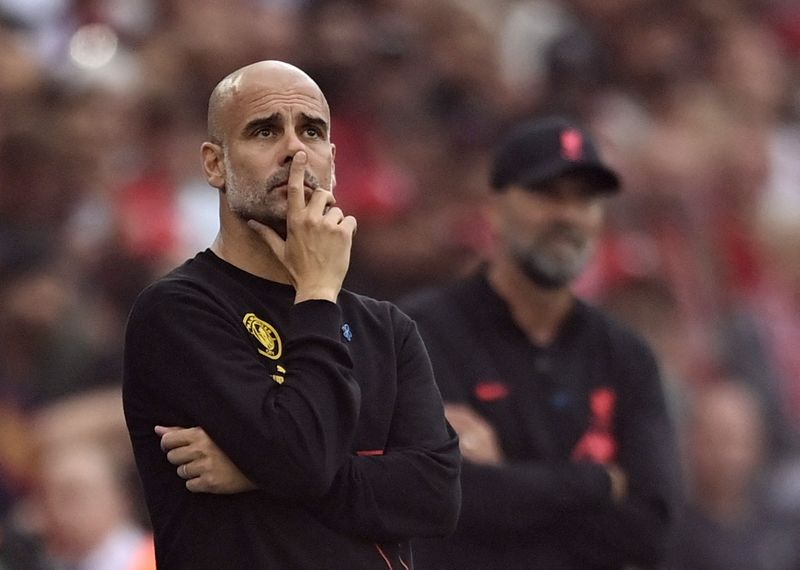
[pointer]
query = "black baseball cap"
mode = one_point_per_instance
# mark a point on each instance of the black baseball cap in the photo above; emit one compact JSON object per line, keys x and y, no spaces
{"x":540,"y":150}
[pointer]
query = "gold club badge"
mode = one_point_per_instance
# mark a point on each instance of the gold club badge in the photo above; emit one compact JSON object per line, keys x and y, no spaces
{"x":266,"y":334}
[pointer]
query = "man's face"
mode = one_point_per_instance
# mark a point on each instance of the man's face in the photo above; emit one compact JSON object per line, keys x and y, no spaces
{"x":550,"y":233}
{"x":268,"y":120}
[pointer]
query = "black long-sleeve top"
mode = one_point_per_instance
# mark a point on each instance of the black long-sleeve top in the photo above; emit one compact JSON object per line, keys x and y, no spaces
{"x":330,"y":409}
{"x":549,"y":505}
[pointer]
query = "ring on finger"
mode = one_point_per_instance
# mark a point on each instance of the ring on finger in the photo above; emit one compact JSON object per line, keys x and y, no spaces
{"x":182,"y":471}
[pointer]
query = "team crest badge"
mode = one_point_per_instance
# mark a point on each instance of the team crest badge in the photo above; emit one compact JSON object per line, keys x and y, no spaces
{"x":266,"y":335}
{"x":572,"y":145}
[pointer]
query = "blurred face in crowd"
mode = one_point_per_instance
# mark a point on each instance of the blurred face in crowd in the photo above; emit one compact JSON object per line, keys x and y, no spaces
{"x":550,"y":232}
{"x":259,"y":118}
{"x":82,"y":501}
{"x":725,"y":443}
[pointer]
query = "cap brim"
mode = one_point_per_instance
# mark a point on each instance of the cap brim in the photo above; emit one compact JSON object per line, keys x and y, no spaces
{"x":601,"y":177}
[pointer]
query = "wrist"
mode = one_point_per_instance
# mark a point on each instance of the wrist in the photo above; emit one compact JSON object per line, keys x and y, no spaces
{"x":316,"y":294}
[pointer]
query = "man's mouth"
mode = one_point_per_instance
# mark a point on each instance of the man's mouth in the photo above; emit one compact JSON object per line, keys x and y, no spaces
{"x":285,"y":184}
{"x":568,"y":239}
{"x":283,"y":190}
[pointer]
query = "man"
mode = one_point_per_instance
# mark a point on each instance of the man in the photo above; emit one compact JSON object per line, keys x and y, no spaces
{"x":559,"y":410}
{"x":316,"y":435}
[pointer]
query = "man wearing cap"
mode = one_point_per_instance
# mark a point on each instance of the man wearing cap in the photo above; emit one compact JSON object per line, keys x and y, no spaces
{"x":570,"y":459}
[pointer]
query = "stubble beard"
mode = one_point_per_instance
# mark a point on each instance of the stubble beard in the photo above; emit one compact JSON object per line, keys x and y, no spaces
{"x":258,"y":201}
{"x":251,"y":200}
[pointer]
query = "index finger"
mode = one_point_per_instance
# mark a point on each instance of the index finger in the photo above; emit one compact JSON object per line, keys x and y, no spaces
{"x":461,"y":416}
{"x":296,"y":193}
{"x":179,"y":438}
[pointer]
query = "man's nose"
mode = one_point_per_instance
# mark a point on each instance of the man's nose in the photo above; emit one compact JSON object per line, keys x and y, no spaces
{"x":573,"y":207}
{"x":293,"y":144}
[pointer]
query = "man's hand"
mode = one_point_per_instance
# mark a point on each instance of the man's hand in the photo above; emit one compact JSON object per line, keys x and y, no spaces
{"x":204,"y":465}
{"x":619,"y":482}
{"x":476,"y":437}
{"x":316,"y":252}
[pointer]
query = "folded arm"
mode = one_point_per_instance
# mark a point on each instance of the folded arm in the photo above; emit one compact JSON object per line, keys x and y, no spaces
{"x":290,"y":438}
{"x":410,"y":489}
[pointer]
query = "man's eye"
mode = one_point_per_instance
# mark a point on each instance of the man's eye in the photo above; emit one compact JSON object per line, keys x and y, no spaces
{"x":313,"y":132}
{"x":265,"y":132}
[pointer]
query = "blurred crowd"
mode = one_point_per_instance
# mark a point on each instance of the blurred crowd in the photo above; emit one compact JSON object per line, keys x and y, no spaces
{"x":696,"y":103}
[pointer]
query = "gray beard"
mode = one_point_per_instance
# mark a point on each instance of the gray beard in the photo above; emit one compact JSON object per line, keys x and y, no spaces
{"x":269,"y":219}
{"x":276,"y":223}
{"x":547,"y":268}
{"x":545,"y":275}
{"x":548,"y":272}
{"x":249,"y":202}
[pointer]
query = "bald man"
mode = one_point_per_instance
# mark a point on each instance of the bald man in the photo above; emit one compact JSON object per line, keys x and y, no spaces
{"x":279,"y":421}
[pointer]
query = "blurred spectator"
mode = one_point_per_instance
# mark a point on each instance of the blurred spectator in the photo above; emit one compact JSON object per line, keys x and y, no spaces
{"x":648,"y":306}
{"x":772,"y":305}
{"x":81,"y":506}
{"x":16,"y":461}
{"x":93,"y":417}
{"x":85,"y":519}
{"x":728,"y":523}
{"x":38,"y":190}
{"x":47,"y":344}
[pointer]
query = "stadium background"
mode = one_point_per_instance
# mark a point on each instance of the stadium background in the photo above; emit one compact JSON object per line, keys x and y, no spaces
{"x":102,"y":112}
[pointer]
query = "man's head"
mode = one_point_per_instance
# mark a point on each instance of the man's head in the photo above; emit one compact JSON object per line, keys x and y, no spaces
{"x":725,"y":441}
{"x":82,"y":499}
{"x":549,"y":207}
{"x":259,"y":117}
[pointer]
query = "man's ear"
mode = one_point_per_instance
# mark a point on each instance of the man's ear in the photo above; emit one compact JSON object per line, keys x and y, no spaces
{"x":333,"y":167}
{"x":213,"y":164}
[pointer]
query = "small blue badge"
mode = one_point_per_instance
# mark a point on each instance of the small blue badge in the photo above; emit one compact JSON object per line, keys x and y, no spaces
{"x":560,"y":400}
{"x":347,"y":333}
